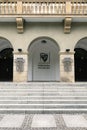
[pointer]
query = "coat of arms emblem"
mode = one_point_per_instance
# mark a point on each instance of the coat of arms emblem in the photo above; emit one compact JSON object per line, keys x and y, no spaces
{"x":44,"y":57}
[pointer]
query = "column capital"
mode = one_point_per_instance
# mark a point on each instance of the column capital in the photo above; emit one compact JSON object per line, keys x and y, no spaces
{"x":20,"y":53}
{"x":67,"y":53}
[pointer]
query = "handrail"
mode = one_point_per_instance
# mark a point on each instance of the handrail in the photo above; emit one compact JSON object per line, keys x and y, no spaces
{"x":75,"y":1}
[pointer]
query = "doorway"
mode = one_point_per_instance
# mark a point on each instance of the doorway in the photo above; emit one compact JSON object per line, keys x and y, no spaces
{"x":81,"y":60}
{"x":6,"y":60}
{"x":43,"y":60}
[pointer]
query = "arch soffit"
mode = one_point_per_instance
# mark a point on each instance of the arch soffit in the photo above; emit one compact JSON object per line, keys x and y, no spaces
{"x":5,"y":43}
{"x":82,"y":43}
{"x":39,"y":39}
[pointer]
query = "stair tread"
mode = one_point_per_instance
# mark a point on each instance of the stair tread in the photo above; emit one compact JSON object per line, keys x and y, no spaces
{"x":42,"y":97}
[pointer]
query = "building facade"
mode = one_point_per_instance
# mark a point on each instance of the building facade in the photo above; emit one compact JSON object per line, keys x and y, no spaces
{"x":43,"y":40}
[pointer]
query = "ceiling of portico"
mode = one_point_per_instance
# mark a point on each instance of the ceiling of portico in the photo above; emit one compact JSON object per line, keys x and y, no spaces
{"x":82,"y":44}
{"x":4,"y":43}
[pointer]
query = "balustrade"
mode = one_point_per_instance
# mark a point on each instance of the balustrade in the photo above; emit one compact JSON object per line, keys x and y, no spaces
{"x":30,"y":7}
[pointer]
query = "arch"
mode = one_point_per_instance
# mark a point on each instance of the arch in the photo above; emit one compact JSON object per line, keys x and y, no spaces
{"x":43,"y":60}
{"x":81,"y":60}
{"x":82,"y":43}
{"x":5,"y":43}
{"x":42,"y":38}
{"x":6,"y":60}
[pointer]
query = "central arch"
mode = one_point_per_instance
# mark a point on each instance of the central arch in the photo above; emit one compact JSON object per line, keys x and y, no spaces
{"x":43,"y":60}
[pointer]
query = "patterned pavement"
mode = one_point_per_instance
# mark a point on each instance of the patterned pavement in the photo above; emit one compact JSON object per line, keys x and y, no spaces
{"x":27,"y":122}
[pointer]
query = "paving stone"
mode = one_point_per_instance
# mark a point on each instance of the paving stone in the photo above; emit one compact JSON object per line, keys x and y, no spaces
{"x":75,"y":121}
{"x":12,"y":121}
{"x":40,"y":120}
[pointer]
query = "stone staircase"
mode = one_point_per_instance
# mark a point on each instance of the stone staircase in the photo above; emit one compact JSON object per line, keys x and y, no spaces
{"x":43,"y":97}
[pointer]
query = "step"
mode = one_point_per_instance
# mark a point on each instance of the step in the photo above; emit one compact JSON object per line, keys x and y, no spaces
{"x":44,"y":93}
{"x":42,"y":84}
{"x":43,"y":104}
{"x":43,"y":97}
{"x":43,"y":101}
{"x":42,"y":111}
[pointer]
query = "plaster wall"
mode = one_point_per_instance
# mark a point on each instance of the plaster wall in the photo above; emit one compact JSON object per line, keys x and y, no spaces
{"x":35,"y":30}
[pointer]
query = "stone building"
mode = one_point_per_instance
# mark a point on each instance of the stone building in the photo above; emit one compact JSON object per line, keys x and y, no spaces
{"x":43,"y":40}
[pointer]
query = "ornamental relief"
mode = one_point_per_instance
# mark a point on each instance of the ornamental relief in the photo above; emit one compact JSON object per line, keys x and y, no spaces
{"x":19,"y":64}
{"x":67,"y":64}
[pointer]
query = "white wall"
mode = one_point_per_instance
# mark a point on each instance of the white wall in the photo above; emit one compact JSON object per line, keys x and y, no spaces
{"x":35,"y":30}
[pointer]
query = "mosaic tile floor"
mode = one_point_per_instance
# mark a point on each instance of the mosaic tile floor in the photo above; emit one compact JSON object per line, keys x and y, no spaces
{"x":43,"y":121}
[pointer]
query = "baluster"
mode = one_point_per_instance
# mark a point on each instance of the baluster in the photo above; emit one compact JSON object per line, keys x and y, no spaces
{"x":2,"y":8}
{"x":28,"y":7}
{"x":48,"y":7}
{"x":77,"y":7}
{"x":55,"y":11}
{"x":24,"y":8}
{"x":36,"y":7}
{"x":31,"y":7}
{"x":15,"y":7}
{"x":58,"y":6}
{"x":73,"y":7}
{"x":85,"y":7}
{"x":5,"y":8}
{"x":10,"y":7}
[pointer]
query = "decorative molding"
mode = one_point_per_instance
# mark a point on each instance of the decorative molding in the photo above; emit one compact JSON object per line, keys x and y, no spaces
{"x":19,"y":64}
{"x":19,"y":22}
{"x":67,"y":62}
{"x":66,"y":53}
{"x":67,"y":25}
{"x":22,"y":53}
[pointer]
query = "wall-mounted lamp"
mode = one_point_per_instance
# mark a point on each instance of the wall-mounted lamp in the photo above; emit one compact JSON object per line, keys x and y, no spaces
{"x":44,"y":41}
{"x":20,"y":50}
{"x":67,"y":50}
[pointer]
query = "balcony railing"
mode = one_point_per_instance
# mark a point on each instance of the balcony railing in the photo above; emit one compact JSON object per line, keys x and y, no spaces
{"x":39,"y":7}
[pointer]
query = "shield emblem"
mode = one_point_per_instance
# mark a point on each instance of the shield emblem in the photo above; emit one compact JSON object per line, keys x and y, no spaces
{"x":44,"y":56}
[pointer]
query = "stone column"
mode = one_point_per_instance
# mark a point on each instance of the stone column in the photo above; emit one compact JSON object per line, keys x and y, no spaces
{"x":67,"y":66}
{"x":20,"y":67}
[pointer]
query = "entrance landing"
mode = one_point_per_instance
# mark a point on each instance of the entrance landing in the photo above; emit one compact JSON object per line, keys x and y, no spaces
{"x":43,"y":121}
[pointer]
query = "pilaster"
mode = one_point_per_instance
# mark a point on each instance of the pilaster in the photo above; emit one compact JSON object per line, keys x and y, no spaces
{"x":20,"y":67}
{"x":67,"y":67}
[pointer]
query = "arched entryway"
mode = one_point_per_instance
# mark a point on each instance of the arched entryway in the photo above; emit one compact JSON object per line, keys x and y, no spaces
{"x":6,"y":60}
{"x":81,"y":60}
{"x":43,"y":60}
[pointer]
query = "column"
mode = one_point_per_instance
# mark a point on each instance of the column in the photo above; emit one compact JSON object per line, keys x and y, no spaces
{"x":67,"y":66}
{"x":20,"y":67}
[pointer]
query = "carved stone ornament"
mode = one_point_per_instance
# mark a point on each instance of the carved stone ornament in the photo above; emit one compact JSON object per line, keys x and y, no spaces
{"x":20,"y":22}
{"x":67,"y":25}
{"x":19,"y":64}
{"x":67,"y":64}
